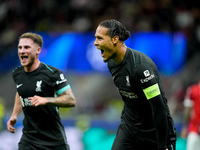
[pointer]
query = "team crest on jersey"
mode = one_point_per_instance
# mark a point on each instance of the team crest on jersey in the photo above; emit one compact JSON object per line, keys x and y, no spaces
{"x":38,"y":86}
{"x":128,"y":81}
{"x":146,"y":73}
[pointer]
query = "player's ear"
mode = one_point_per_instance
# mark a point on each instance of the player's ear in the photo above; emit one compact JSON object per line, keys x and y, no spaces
{"x":39,"y":50}
{"x":115,"y":39}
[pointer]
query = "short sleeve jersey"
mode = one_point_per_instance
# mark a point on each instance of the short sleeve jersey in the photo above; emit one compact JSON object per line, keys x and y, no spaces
{"x":192,"y":99}
{"x":145,"y":106}
{"x":42,"y":124}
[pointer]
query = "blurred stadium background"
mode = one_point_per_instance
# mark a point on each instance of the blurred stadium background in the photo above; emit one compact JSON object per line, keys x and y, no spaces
{"x":166,"y":30}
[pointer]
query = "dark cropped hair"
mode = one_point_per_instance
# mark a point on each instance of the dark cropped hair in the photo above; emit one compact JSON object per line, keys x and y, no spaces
{"x":116,"y":28}
{"x":35,"y":37}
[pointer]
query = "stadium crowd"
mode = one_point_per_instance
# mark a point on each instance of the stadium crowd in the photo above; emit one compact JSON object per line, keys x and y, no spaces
{"x":17,"y":16}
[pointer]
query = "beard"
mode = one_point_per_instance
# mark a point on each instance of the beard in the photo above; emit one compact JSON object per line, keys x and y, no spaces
{"x":29,"y":62}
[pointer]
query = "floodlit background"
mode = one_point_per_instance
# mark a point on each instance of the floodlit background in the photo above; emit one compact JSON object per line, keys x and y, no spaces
{"x":168,"y":31}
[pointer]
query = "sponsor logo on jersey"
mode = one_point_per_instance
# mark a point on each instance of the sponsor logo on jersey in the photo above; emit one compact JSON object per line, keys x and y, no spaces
{"x":148,"y":78}
{"x":146,"y":73}
{"x":25,"y":102}
{"x":62,"y":79}
{"x":18,"y":85}
{"x":38,"y":86}
{"x":130,"y":95}
{"x":127,"y":81}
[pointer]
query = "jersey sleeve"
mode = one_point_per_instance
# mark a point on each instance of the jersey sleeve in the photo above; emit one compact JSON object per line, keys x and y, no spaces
{"x":16,"y":72}
{"x":148,"y":80}
{"x":60,"y":82}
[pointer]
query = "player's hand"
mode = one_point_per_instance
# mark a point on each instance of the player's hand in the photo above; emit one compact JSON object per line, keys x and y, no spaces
{"x":172,"y":146}
{"x":171,"y":143}
{"x":37,"y":100}
{"x":11,"y":123}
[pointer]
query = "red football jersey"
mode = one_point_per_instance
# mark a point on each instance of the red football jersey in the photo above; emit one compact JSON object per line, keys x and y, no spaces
{"x":192,"y":99}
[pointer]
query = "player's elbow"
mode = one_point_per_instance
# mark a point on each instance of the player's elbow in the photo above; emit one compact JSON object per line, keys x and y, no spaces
{"x":72,"y":101}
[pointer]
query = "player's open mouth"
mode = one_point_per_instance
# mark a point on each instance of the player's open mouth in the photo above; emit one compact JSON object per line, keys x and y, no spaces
{"x":24,"y":57}
{"x":102,"y":52}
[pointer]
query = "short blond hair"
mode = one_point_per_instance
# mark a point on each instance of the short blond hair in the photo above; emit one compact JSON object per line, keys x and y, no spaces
{"x":35,"y":37}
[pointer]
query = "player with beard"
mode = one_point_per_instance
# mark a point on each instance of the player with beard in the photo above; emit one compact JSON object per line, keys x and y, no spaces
{"x":41,"y":90}
{"x":146,"y":122}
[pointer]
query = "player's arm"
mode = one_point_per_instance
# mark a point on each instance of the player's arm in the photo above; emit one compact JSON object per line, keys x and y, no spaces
{"x":184,"y":130}
{"x":172,"y":135}
{"x":188,"y":103}
{"x":16,"y":111}
{"x":64,"y":99}
{"x":65,"y":96}
{"x":159,"y":116}
{"x":148,"y":81}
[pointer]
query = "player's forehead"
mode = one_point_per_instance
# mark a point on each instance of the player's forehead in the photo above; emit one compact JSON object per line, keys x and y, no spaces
{"x":101,"y":31}
{"x":25,"y":41}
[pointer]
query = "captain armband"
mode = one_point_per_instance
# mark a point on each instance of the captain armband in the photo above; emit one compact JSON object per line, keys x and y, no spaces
{"x":152,"y":91}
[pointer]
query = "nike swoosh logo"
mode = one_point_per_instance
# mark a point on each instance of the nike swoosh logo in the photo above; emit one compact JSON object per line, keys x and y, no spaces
{"x":19,"y":85}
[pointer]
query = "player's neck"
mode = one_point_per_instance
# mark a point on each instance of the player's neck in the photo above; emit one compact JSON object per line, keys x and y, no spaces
{"x":120,"y":53}
{"x":32,"y":67}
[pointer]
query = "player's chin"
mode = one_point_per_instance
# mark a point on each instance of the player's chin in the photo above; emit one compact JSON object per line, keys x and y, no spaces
{"x":24,"y":64}
{"x":105,"y":60}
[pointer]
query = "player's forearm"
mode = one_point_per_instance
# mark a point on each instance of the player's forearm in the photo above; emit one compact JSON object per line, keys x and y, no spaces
{"x":186,"y":116}
{"x":17,"y":106}
{"x":66,"y":99}
{"x":159,"y":115}
{"x":62,"y":101}
{"x":16,"y":111}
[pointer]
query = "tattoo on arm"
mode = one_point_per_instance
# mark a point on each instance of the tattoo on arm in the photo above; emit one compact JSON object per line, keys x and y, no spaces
{"x":66,"y":99}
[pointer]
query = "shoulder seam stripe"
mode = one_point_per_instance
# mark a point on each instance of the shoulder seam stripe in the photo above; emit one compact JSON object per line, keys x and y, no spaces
{"x":133,"y":57}
{"x":48,"y":67}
